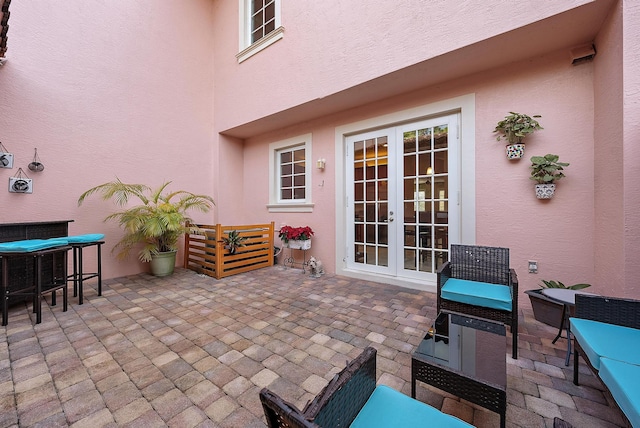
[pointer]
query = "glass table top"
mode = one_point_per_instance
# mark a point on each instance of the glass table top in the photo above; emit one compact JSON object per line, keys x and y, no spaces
{"x":472,"y":346}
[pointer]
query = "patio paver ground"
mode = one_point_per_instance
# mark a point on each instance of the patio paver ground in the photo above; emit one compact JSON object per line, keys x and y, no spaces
{"x":192,"y":351}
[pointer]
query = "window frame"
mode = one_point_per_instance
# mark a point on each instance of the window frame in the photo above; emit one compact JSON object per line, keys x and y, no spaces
{"x":275,"y":203}
{"x":246,"y":48}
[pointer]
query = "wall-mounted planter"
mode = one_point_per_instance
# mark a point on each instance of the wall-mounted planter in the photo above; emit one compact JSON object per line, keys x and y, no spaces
{"x":515,"y":151}
{"x":545,"y":191}
{"x":20,"y":183}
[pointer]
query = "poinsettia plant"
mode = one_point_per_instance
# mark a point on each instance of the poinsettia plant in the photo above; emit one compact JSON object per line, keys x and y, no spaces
{"x":288,"y":233}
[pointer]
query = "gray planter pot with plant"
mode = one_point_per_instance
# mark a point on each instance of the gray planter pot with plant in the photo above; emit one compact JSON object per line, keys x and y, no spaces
{"x":545,"y":309}
{"x":157,"y":222}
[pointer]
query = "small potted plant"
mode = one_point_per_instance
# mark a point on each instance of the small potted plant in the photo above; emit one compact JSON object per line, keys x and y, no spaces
{"x":545,"y":171}
{"x":296,"y":237}
{"x":233,"y":240}
{"x":545,"y":309}
{"x":514,"y":128}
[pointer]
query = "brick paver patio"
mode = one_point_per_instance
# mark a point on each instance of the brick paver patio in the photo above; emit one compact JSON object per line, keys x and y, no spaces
{"x":192,"y":351}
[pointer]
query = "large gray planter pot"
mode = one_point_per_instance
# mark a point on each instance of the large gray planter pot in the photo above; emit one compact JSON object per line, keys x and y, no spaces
{"x":163,"y":264}
{"x":545,"y":310}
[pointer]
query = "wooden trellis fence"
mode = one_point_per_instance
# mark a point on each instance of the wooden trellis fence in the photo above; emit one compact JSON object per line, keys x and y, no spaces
{"x":205,"y":253}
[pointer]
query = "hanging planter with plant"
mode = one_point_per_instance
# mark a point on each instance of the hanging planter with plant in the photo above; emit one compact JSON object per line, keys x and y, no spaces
{"x":514,"y":128}
{"x":546,"y":170}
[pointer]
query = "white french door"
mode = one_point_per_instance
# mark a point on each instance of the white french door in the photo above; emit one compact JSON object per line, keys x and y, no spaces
{"x":402,"y":198}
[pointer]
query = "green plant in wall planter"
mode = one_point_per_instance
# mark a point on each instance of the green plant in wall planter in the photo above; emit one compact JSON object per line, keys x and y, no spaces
{"x":233,"y":241}
{"x":515,"y":128}
{"x":546,"y":170}
{"x":157,"y":222}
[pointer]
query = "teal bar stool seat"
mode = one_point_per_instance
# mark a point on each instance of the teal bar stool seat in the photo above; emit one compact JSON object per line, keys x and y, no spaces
{"x":36,"y":250}
{"x":79,"y":243}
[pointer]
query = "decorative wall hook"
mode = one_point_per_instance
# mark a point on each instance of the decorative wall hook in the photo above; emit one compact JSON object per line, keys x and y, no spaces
{"x":36,"y":165}
{"x":21,"y":183}
{"x":6,"y":158}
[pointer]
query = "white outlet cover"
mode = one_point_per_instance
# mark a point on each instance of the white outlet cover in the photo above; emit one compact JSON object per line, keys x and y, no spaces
{"x":20,"y":185}
{"x":6,"y":160}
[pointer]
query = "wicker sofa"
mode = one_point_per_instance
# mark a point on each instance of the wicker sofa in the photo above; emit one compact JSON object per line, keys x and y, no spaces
{"x":352,"y":399}
{"x":606,"y":333}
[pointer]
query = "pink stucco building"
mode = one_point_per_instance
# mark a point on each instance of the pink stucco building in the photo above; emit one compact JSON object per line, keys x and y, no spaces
{"x":398,"y":99}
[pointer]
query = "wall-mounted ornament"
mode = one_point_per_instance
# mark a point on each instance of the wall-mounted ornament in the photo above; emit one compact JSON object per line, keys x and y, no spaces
{"x":21,"y":183}
{"x":6,"y":158}
{"x":36,"y":165}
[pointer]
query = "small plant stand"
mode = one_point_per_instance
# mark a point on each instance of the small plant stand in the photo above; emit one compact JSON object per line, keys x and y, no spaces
{"x":290,"y":260}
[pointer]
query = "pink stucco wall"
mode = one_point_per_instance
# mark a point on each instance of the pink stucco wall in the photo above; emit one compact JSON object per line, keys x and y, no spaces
{"x":631,"y":153}
{"x":508,"y":214}
{"x":104,"y":90}
{"x":331,"y":46}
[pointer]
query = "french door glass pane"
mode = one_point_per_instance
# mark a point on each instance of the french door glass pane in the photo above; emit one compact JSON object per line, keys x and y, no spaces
{"x":425,"y":192}
{"x":371,"y":193}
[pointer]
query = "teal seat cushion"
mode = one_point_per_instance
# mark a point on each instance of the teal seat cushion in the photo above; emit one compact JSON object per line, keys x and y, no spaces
{"x":388,"y":408}
{"x":599,"y":340}
{"x":30,"y":245}
{"x":623,"y":379}
{"x":476,"y":293}
{"x":89,"y":237}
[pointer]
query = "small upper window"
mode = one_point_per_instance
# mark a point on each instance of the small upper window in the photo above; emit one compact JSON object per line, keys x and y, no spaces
{"x":263,"y":18}
{"x":259,"y":26}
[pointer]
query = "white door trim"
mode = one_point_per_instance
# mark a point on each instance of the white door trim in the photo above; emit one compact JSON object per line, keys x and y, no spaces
{"x":465,"y":105}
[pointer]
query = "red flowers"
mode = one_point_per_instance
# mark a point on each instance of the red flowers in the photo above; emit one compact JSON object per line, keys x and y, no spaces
{"x":295,"y":233}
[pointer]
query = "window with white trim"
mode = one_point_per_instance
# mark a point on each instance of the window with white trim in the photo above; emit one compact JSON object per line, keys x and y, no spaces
{"x":260,"y":26}
{"x":290,"y":175}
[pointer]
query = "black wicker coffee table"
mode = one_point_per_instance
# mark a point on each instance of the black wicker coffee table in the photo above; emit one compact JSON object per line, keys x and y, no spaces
{"x":464,"y":356}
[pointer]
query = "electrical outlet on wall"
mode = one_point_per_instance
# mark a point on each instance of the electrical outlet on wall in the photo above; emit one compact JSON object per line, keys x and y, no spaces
{"x":533,"y":266}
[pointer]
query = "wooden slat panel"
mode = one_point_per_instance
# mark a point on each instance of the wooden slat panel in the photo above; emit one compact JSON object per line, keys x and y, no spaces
{"x":206,"y":254}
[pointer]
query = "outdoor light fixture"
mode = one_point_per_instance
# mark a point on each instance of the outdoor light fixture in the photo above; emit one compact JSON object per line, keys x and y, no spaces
{"x":321,"y":163}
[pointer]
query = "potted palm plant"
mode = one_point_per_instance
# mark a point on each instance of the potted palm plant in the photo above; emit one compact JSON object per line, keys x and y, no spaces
{"x":157,"y":222}
{"x":514,"y":128}
{"x":545,"y":171}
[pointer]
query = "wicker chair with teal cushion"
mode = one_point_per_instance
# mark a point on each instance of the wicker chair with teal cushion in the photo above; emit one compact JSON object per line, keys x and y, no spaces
{"x":352,"y":399}
{"x":478,"y":281}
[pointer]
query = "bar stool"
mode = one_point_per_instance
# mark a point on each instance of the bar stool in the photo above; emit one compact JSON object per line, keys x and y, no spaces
{"x":36,"y":249}
{"x":78,"y":243}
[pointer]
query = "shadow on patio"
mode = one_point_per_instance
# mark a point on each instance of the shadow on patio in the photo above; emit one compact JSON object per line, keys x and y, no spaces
{"x":190,"y":350}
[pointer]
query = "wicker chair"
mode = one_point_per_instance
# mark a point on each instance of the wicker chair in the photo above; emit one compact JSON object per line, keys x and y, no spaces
{"x":478,"y":264}
{"x":336,"y":405}
{"x":352,"y":395}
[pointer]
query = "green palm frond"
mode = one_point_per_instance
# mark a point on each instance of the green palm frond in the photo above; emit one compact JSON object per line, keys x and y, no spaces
{"x":157,"y":223}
